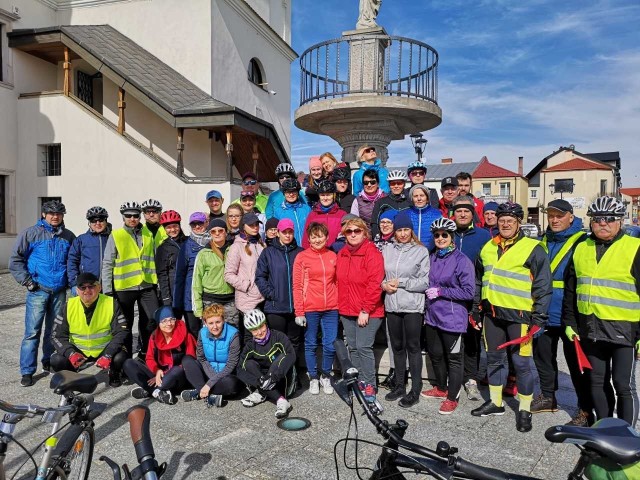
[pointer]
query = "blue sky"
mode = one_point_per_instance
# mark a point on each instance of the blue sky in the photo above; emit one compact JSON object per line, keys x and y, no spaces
{"x":515,"y":78}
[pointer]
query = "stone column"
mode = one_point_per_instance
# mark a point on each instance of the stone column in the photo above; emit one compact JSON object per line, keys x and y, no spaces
{"x":366,"y":60}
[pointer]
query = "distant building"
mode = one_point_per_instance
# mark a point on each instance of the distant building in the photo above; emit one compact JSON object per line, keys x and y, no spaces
{"x":494,"y":183}
{"x":631,"y":196}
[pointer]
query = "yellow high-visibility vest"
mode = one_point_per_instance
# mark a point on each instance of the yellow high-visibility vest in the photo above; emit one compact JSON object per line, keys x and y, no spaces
{"x":91,"y":339}
{"x":161,"y":236}
{"x":566,"y":248}
{"x":133,"y":265}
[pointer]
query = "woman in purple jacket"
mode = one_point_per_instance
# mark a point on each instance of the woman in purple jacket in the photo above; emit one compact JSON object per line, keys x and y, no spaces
{"x":451,"y":288}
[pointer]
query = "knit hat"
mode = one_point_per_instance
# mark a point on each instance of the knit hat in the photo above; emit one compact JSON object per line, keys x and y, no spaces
{"x":403,"y":220}
{"x":315,"y":162}
{"x":217,"y":223}
{"x":389,"y":214}
{"x":347,"y":217}
{"x":284,"y":224}
{"x":490,"y":207}
{"x":163,"y":312}
{"x":197,"y":217}
{"x":271,"y":223}
{"x":421,"y":187}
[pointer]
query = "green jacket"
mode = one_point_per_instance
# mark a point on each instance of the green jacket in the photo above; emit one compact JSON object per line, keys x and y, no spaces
{"x":261,"y":201}
{"x":208,"y":276}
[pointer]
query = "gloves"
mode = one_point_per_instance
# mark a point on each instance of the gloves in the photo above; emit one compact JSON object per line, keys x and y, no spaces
{"x":475,"y":320}
{"x":266,"y":382}
{"x":104,"y":362}
{"x":570,"y":333}
{"x":77,"y":359}
{"x":301,"y":321}
{"x":433,"y":292}
{"x":32,"y":286}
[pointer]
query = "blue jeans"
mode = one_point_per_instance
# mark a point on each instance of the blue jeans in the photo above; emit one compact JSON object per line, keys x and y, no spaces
{"x":328,"y":322}
{"x":41,"y":307}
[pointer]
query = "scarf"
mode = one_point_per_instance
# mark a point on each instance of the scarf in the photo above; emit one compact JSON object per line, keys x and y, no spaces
{"x":324,"y":209}
{"x":443,"y":252}
{"x":250,"y":238}
{"x":202,"y":239}
{"x":374,"y":197}
{"x":265,"y":339}
{"x":387,"y":237}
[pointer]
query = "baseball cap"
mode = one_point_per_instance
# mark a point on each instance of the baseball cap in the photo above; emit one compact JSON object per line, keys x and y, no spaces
{"x":249,"y":175}
{"x":213,"y":194}
{"x":250,"y":219}
{"x":284,"y":224}
{"x":247,"y":194}
{"x":449,"y":181}
{"x":86,"y":277}
{"x":197,"y":217}
{"x":560,"y":205}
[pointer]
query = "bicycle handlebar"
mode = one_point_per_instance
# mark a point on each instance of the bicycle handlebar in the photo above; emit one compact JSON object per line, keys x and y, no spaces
{"x":139,"y":418}
{"x":31,"y":410}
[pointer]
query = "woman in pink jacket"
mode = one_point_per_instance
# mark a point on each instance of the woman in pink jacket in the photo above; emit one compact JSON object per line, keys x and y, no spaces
{"x":315,"y":298}
{"x":326,"y":211}
{"x":242,"y":259}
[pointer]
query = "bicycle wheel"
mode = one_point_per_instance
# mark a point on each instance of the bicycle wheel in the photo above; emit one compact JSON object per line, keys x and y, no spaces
{"x":73,"y":460}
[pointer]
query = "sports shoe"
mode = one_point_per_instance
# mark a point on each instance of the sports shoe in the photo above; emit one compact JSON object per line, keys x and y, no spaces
{"x":409,"y":400}
{"x":580,"y":419}
{"x":214,"y":401}
{"x":190,"y":395}
{"x":543,"y":404}
{"x":283,"y":407}
{"x":27,"y":380}
{"x":487,"y":409}
{"x":166,"y":397}
{"x":447,"y":407}
{"x":314,"y":386}
{"x":390,"y":380}
{"x":115,"y":379}
{"x":139,"y":393}
{"x":511,"y":388}
{"x":253,"y":399}
{"x":434,"y":392}
{"x":471,"y":387}
{"x":395,"y":394}
{"x":327,"y":388}
{"x":523,"y":421}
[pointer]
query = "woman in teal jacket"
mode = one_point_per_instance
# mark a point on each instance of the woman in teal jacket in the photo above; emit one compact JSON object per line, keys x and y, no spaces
{"x":293,"y":208}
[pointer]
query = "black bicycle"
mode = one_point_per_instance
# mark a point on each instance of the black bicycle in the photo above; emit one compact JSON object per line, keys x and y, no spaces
{"x":612,"y":439}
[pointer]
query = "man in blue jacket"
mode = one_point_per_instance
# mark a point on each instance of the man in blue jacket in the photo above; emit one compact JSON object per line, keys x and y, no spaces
{"x":39,"y":262}
{"x":368,"y":159}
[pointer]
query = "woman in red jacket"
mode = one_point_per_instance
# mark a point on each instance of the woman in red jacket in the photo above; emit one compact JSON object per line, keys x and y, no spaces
{"x":360,"y":270}
{"x":315,"y":298}
{"x":162,"y":377}
{"x":326,"y":211}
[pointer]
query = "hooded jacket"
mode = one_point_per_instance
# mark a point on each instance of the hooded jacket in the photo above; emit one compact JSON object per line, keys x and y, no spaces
{"x":297,"y":212}
{"x":409,"y":263}
{"x":275,"y":200}
{"x":383,"y":173}
{"x":164,"y":356}
{"x":422,"y":218}
{"x":390,"y":202}
{"x":184,"y":274}
{"x":208,"y":277}
{"x":40,"y":254}
{"x":331,"y":219}
{"x":315,"y":287}
{"x":166,"y":258}
{"x":86,"y":253}
{"x":274,"y":276}
{"x":454,"y":275}
{"x":240,"y":272}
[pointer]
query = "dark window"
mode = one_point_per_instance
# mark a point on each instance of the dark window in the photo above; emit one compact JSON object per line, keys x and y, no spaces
{"x":1,"y":47}
{"x":564,"y":185}
{"x":3,"y":203}
{"x":603,"y":187}
{"x":85,"y":88}
{"x":255,"y":73}
{"x":51,"y":160}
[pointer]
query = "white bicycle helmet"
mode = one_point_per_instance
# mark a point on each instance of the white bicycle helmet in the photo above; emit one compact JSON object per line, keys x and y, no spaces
{"x":151,"y":203}
{"x":130,"y":207}
{"x":443,"y":224}
{"x":606,"y":206}
{"x":397,"y":175}
{"x":285,"y":168}
{"x":253,"y":319}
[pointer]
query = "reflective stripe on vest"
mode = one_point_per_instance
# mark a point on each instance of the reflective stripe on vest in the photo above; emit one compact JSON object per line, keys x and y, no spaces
{"x":91,"y":339}
{"x":557,"y":260}
{"x":506,"y":282}
{"x":133,"y":266}
{"x":607,"y":289}
{"x":159,"y":238}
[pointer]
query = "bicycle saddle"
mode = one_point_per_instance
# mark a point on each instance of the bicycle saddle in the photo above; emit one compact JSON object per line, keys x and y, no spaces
{"x":611,"y":437}
{"x":65,"y":381}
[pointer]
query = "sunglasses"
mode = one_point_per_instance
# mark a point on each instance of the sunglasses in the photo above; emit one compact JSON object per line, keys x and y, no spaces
{"x":284,"y":176}
{"x":167,"y":320}
{"x":397,"y":183}
{"x":291,"y":192}
{"x":441,"y":235}
{"x":218,"y":231}
{"x":83,"y":288}
{"x":418,"y":173}
{"x":131,"y":215}
{"x":249,"y":182}
{"x":370,"y":182}
{"x":606,"y":219}
{"x":151,"y":212}
{"x":351,"y":231}
{"x":96,"y":220}
{"x":369,"y":150}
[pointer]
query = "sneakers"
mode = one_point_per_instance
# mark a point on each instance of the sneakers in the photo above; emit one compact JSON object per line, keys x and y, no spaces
{"x":139,"y":393}
{"x":253,"y":399}
{"x":115,"y":379}
{"x":511,"y":388}
{"x":165,"y":396}
{"x":27,"y":380}
{"x":435,"y":392}
{"x":447,"y":407}
{"x":409,"y":400}
{"x":46,"y":368}
{"x":472,"y":390}
{"x":283,"y":407}
{"x":314,"y":386}
{"x":395,"y":394}
{"x":523,"y":421}
{"x":214,"y":401}
{"x":487,"y":409}
{"x":580,"y":419}
{"x":543,"y":404}
{"x":389,"y":382}
{"x":190,"y":395}
{"x":327,"y":388}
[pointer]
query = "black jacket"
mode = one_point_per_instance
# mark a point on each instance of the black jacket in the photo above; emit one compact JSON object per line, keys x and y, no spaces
{"x":166,"y":257}
{"x":394,"y":202}
{"x":276,"y":357}
{"x":274,"y":277}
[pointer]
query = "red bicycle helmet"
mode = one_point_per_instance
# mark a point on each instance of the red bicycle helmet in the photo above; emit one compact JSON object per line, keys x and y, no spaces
{"x":170,"y":216}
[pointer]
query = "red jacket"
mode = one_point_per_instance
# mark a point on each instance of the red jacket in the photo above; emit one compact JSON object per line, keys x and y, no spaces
{"x":315,"y":287}
{"x":360,"y":276}
{"x":163,"y":356}
{"x":331,"y":219}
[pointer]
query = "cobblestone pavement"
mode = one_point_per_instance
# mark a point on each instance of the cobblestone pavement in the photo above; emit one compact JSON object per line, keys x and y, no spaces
{"x":11,"y":293}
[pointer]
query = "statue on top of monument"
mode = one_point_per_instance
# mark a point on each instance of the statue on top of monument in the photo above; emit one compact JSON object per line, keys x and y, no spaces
{"x":368,"y":12}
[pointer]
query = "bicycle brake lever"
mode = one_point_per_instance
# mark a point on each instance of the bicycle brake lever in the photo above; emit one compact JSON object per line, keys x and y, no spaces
{"x":115,"y":468}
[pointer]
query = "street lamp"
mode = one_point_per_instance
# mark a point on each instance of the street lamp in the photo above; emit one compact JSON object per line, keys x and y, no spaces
{"x":419,"y":144}
{"x":561,"y":186}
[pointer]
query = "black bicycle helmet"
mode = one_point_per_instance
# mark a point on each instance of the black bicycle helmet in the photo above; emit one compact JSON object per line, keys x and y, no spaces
{"x":341,"y":174}
{"x":290,"y":184}
{"x":606,"y":206}
{"x":54,"y":206}
{"x":325,"y":186}
{"x":97,"y":212}
{"x":510,"y":209}
{"x":285,"y":168}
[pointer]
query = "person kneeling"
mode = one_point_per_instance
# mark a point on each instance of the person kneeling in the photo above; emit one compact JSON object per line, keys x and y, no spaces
{"x":90,"y":327}
{"x":267,"y":364}
{"x":162,"y":375}
{"x":217,"y":353}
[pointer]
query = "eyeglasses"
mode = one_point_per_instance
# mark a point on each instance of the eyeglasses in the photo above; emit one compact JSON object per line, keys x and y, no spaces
{"x":417,"y":173}
{"x":196,"y":224}
{"x":291,"y":192}
{"x":96,"y":220}
{"x":218,"y":231}
{"x":604,"y":219}
{"x":505,"y":221}
{"x":131,"y":215}
{"x":369,"y":150}
{"x":91,"y":286}
{"x":352,"y":231}
{"x":370,"y":182}
{"x":284,"y":176}
{"x":167,"y":320}
{"x":249,"y":182}
{"x":151,"y":212}
{"x":441,"y":235}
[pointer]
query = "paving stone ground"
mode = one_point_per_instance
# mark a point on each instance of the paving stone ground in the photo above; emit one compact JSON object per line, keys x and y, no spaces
{"x":239,"y":443}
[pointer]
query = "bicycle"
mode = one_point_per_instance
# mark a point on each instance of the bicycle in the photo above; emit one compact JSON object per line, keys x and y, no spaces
{"x":613,"y":440}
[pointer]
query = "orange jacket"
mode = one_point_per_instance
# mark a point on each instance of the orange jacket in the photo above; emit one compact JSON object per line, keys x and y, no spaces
{"x":315,"y":285}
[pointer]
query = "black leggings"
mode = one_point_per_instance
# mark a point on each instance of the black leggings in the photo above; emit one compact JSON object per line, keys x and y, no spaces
{"x":251,"y":374}
{"x":148,"y":300}
{"x":446,"y":351}
{"x":286,"y":323}
{"x":404,"y":333}
{"x":194,"y":324}
{"x":173,"y":380}
{"x":60,"y":362}
{"x":471,"y":340}
{"x":611,"y":362}
{"x":229,"y":385}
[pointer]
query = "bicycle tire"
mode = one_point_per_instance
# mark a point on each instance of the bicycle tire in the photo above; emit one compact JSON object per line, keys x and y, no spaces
{"x":73,"y":460}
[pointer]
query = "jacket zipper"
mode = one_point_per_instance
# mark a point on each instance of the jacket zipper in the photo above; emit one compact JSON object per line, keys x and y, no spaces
{"x":324,"y":276}
{"x":286,"y":258}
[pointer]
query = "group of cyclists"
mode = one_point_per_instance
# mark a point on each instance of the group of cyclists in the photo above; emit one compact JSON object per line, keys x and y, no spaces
{"x":252,"y":295}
